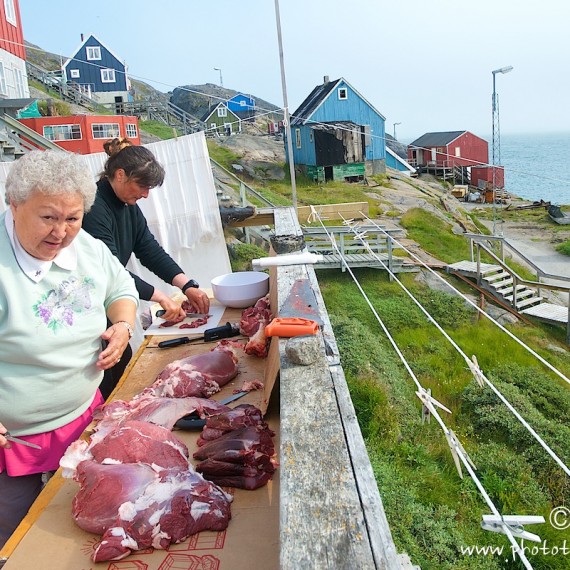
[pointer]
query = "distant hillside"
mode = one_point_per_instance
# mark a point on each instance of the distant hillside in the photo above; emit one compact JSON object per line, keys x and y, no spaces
{"x":195,"y":99}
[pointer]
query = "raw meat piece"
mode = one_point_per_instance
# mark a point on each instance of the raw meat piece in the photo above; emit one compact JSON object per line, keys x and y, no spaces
{"x":104,"y":488}
{"x":242,"y":458}
{"x":236,"y":443}
{"x":252,"y":316}
{"x":249,"y":386}
{"x":194,"y":324}
{"x":252,"y":324}
{"x":129,"y":442}
{"x":238,"y":417}
{"x":258,"y":343}
{"x":249,"y":483}
{"x":199,"y":375}
{"x":134,"y":507}
{"x":141,"y":442}
{"x":160,"y":411}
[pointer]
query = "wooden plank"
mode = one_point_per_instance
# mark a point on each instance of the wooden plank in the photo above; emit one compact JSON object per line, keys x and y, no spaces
{"x":346,"y":210}
{"x":331,"y":514}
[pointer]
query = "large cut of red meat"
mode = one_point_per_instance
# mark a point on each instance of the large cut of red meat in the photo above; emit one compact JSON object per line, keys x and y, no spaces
{"x":135,"y":507}
{"x":201,"y":375}
{"x":141,"y":442}
{"x":242,"y":458}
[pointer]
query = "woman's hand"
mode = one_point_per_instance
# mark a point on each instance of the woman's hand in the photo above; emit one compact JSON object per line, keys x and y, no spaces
{"x":118,"y":337}
{"x":198,"y":299}
{"x":173,"y":309}
{"x":3,"y":441}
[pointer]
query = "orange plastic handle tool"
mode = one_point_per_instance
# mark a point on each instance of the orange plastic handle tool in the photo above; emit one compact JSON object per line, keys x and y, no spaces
{"x":292,"y":326}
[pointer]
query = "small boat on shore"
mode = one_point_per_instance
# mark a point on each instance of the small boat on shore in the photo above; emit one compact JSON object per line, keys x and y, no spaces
{"x":557,"y":215}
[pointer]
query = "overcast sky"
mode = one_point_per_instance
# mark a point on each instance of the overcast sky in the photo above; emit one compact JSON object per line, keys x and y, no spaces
{"x":424,"y":64}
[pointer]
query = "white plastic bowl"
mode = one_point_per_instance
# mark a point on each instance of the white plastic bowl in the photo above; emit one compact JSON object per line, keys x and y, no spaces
{"x":241,"y":289}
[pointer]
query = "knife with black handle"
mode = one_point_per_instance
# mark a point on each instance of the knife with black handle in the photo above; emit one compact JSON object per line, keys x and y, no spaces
{"x":210,"y":335}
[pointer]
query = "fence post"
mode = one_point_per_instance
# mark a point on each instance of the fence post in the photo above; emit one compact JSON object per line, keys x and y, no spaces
{"x":389,"y":244}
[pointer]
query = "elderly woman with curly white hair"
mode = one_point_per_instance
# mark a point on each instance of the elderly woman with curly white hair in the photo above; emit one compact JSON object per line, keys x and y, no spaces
{"x":58,"y":287}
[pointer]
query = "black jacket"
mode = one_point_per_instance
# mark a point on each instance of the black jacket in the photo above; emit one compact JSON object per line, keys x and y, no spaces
{"x":125,"y":231}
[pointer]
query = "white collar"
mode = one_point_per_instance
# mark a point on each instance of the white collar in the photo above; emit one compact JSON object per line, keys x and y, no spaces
{"x":36,"y":269}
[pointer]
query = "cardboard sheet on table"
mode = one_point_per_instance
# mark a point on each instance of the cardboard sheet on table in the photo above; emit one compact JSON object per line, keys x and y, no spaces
{"x":216,"y":310}
{"x":54,"y":542}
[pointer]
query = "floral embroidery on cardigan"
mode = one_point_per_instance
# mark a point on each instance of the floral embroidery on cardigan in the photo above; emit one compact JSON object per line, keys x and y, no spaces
{"x":58,"y":306}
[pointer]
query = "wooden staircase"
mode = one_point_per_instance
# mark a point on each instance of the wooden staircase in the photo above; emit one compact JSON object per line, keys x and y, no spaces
{"x":377,"y":253}
{"x":500,"y":283}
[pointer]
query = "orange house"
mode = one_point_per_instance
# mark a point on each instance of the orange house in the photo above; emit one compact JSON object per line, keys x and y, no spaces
{"x":85,"y":134}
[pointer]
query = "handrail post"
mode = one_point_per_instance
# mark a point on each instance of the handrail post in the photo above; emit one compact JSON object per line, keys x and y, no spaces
{"x":515,"y":285}
{"x":479,"y":277}
{"x":471,"y":248}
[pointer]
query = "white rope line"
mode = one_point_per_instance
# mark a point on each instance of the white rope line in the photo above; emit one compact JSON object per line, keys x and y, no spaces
{"x":543,"y":444}
{"x":474,"y":305}
{"x":448,"y":433}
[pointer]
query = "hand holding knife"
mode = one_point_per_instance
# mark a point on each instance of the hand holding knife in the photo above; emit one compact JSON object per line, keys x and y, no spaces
{"x":14,"y":439}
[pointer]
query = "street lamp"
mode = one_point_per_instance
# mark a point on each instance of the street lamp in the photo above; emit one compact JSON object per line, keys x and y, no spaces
{"x":218,"y":69}
{"x":496,"y":141}
{"x":394,"y":125}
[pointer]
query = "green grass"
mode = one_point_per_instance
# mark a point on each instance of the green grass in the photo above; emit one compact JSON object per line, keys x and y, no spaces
{"x":564,"y":248}
{"x":158,"y":129}
{"x":431,"y":510}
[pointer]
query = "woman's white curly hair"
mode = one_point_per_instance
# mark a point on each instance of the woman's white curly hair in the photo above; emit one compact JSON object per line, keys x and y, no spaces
{"x":50,"y":172}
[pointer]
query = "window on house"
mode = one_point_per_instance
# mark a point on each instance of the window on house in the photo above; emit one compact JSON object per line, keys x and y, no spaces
{"x":105,"y":130}
{"x":19,"y":82}
{"x":93,"y":53}
{"x":10,"y":12}
{"x":131,"y":130}
{"x":3,"y":87}
{"x":242,"y":103}
{"x":222,"y":112}
{"x":458,"y":151}
{"x":298,"y":137}
{"x":62,"y":132}
{"x":108,"y":75}
{"x":311,"y":136}
{"x":213,"y":126}
{"x":342,"y":93}
{"x":74,"y":73}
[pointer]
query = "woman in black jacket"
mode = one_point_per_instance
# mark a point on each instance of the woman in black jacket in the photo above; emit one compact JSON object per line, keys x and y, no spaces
{"x":129,"y":174}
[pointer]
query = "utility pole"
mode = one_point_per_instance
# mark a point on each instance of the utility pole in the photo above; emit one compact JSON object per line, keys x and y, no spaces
{"x":496,"y":142}
{"x":286,"y":110}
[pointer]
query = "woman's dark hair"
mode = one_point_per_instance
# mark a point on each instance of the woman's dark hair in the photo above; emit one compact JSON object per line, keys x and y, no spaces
{"x":137,"y":161}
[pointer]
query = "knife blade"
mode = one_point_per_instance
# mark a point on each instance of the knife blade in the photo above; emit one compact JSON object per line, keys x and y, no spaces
{"x":188,"y":314}
{"x":15,"y":439}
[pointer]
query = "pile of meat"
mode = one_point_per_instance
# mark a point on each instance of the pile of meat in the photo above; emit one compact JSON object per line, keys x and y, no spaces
{"x":236,"y":449}
{"x":138,"y":488}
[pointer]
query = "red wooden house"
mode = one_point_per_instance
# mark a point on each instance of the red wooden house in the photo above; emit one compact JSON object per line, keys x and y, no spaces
{"x":448,"y":149}
{"x":85,"y":134}
{"x":13,"y":78}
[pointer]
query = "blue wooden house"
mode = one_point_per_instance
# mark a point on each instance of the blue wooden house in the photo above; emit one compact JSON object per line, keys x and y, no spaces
{"x":337,"y":134}
{"x":97,"y":72}
{"x":242,"y":105}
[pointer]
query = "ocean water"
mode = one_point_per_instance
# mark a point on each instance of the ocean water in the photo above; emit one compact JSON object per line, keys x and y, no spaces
{"x":537,"y":166}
